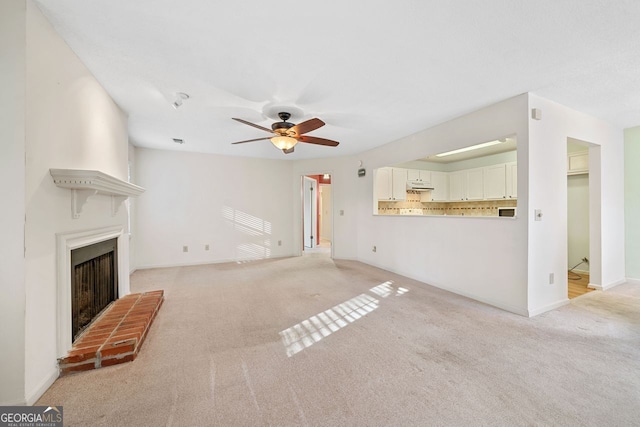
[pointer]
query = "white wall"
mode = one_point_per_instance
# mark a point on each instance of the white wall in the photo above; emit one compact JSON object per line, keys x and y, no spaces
{"x":12,"y":179}
{"x":240,"y":207}
{"x":504,"y":262}
{"x":484,"y":258}
{"x":348,"y":193}
{"x":434,"y":249}
{"x":131,"y":203}
{"x":327,"y":212}
{"x":632,"y":201}
{"x":548,"y":192}
{"x":578,"y":221}
{"x":478,"y":162}
{"x":71,"y":122}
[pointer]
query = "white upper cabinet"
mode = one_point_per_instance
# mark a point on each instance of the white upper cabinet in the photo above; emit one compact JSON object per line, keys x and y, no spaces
{"x":418,"y":175}
{"x":475,"y":184}
{"x":391,"y":184}
{"x":383,"y":183}
{"x":495,"y":182}
{"x":578,"y":163}
{"x":440,"y":184}
{"x":457,"y":185}
{"x":399,"y":184}
{"x":512,"y":180}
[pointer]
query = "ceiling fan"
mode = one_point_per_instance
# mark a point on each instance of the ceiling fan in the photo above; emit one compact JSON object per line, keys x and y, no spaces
{"x":287,"y":135}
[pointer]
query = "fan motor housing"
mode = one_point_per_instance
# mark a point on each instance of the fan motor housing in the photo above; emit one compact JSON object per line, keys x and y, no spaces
{"x":281,"y":125}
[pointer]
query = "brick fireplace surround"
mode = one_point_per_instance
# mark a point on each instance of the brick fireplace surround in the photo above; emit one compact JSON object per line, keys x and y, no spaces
{"x":116,"y":336}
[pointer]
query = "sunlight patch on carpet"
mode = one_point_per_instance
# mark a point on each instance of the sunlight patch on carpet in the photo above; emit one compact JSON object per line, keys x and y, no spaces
{"x":310,"y":331}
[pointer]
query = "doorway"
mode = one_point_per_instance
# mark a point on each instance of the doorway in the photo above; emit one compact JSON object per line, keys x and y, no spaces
{"x":309,"y":219}
{"x":317,"y":221}
{"x":578,"y":218}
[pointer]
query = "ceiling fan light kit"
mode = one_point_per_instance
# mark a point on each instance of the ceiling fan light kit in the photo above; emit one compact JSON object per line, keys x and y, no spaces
{"x":287,"y":135}
{"x":284,"y":142}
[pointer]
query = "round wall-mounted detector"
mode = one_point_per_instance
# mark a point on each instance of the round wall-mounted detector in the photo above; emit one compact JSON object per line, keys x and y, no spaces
{"x":180,"y":97}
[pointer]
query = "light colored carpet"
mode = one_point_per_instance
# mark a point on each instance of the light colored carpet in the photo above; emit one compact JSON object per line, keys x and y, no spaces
{"x":312,"y":341}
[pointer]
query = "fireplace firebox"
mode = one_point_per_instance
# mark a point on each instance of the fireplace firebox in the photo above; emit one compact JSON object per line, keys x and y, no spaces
{"x":94,"y":282}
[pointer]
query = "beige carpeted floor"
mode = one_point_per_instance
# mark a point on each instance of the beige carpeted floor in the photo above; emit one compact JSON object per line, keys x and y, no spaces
{"x":310,"y":341}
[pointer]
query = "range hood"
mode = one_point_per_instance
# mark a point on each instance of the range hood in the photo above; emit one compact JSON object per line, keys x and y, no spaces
{"x":419,"y":186}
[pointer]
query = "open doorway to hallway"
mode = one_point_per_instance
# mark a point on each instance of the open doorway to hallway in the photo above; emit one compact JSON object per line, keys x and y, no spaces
{"x":578,"y":224}
{"x":317,"y":221}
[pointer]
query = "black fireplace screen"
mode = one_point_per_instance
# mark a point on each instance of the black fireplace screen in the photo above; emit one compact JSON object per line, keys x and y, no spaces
{"x":94,"y":283}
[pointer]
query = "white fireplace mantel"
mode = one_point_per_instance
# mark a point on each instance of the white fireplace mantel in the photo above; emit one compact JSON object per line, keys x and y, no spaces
{"x":88,"y":183}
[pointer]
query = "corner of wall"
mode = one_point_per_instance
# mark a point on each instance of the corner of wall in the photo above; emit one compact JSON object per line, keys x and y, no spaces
{"x":12,"y":214}
{"x":631,"y":201}
{"x":35,"y":394}
{"x":547,"y":246}
{"x":540,"y":310}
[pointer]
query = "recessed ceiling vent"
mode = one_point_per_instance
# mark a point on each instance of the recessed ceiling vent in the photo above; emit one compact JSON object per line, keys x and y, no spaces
{"x":178,"y":141}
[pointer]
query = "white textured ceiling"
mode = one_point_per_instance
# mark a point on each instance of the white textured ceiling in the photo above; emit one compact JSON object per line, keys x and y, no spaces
{"x":373,"y":70}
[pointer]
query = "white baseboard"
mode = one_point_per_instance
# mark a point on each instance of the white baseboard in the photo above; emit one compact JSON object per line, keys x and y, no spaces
{"x":632,"y":281}
{"x":580,"y":271}
{"x":346,"y":259}
{"x":217,"y":261}
{"x":548,"y":307}
{"x":13,"y":403}
{"x":488,"y":301}
{"x":44,"y":385}
{"x":614,"y":284}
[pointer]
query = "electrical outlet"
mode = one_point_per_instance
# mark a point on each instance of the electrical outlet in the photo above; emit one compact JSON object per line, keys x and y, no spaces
{"x":206,"y":247}
{"x":551,"y":278}
{"x":279,"y":242}
{"x":341,"y":212}
{"x":374,"y":249}
{"x":537,"y":214}
{"x":185,"y":249}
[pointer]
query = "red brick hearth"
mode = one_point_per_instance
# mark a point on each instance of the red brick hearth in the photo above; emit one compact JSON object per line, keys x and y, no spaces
{"x":116,"y":336}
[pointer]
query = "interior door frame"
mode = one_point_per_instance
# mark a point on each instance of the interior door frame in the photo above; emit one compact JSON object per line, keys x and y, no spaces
{"x":309,"y":229}
{"x":300,"y":245}
{"x":595,"y":219}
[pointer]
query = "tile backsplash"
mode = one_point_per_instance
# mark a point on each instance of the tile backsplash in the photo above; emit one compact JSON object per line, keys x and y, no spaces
{"x":413,"y":206}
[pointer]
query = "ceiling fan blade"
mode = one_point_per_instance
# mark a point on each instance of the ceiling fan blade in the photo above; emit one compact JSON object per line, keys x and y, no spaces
{"x":289,"y":151}
{"x":250,"y":140}
{"x":320,"y":141}
{"x":253,"y":125}
{"x":308,"y":126}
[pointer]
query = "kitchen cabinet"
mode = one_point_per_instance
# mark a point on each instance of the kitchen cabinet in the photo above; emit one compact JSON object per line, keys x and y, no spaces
{"x":391,"y":184}
{"x":466,"y":185}
{"x":440,"y":183}
{"x":501,"y":181}
{"x":495,"y":182}
{"x":475,"y":184}
{"x":458,"y":185}
{"x":578,"y":163}
{"x":418,"y":175}
{"x":511,"y":180}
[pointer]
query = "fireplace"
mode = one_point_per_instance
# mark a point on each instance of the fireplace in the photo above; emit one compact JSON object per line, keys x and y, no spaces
{"x":94,"y":282}
{"x":107,"y":255}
